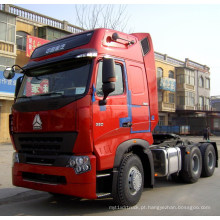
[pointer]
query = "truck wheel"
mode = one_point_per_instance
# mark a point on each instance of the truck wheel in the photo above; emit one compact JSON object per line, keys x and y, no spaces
{"x":208,"y":160}
{"x":130,"y":181}
{"x":194,"y":167}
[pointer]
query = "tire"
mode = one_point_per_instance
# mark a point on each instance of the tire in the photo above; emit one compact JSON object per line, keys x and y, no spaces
{"x":130,"y":181}
{"x":194,"y":166}
{"x":208,"y":160}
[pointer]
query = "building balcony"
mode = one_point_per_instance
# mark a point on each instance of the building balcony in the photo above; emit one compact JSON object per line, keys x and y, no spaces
{"x":7,"y":48}
{"x":203,"y":107}
{"x":184,"y":86}
{"x":166,"y":107}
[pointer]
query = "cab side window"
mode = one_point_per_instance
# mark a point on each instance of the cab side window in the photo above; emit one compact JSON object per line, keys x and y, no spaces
{"x":119,"y":86}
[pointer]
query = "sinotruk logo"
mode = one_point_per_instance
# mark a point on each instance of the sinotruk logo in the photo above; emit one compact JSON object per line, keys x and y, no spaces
{"x":37,"y":124}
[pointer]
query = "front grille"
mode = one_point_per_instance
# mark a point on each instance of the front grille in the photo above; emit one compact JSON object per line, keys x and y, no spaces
{"x":40,"y":145}
{"x":45,"y":143}
{"x":44,"y":178}
{"x":44,"y":148}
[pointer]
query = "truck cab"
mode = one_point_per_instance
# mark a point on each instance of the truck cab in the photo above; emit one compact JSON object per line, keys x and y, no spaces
{"x":83,"y":118}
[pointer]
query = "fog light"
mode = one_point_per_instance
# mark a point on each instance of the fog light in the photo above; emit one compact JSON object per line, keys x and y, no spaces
{"x":78,"y":169}
{"x":85,"y":167}
{"x":79,"y":161}
{"x":72,"y":162}
{"x":81,"y":164}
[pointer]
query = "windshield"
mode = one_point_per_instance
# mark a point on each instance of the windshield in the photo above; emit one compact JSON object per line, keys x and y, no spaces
{"x":63,"y":79}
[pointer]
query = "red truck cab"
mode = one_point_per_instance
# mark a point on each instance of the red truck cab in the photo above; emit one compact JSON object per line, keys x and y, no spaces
{"x":68,"y":138}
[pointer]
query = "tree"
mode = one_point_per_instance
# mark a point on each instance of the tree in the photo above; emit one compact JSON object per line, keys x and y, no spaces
{"x":102,"y":16}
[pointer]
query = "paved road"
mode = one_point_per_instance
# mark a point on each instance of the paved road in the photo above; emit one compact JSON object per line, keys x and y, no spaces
{"x":167,"y":198}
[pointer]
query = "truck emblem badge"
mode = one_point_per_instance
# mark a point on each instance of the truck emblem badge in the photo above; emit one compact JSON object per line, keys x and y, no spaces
{"x":37,"y":124}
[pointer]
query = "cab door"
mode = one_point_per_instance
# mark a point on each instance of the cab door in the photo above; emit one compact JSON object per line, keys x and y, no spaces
{"x":109,"y":121}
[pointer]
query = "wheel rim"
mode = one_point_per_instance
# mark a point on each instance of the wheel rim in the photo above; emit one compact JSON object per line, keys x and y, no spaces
{"x":134,"y":180}
{"x":210,"y":160}
{"x":195,"y":164}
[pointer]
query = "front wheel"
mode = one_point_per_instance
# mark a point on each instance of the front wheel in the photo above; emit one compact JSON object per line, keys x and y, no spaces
{"x":129,"y":185}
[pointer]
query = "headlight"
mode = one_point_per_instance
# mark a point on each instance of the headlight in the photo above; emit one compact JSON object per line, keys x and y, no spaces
{"x":15,"y":158}
{"x":81,"y":164}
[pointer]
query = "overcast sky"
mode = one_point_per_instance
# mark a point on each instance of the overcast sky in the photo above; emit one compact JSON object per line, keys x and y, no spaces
{"x":179,"y":30}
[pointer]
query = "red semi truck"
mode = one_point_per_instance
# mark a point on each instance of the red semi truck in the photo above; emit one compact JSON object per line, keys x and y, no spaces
{"x":83,"y":119}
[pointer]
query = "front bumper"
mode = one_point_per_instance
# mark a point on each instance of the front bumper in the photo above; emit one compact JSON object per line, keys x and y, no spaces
{"x":54,"y":179}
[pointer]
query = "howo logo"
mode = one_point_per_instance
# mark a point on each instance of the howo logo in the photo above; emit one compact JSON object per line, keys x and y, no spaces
{"x":37,"y":124}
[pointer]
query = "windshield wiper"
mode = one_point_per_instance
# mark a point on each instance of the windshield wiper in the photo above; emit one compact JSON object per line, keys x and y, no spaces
{"x":23,"y":96}
{"x":51,"y":93}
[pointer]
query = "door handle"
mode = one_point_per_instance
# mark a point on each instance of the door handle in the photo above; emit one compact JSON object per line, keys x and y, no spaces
{"x":127,"y":124}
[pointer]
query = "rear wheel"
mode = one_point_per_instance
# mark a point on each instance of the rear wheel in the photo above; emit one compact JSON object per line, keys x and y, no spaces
{"x":208,"y":160}
{"x":194,"y":170}
{"x":129,"y":185}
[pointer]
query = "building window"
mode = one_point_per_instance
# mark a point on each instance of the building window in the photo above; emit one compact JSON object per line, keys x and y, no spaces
{"x":190,"y":77}
{"x":7,"y":27}
{"x":180,"y":79}
{"x":5,"y":62}
{"x":201,"y":82}
{"x":216,"y":123}
{"x":171,"y":74}
{"x":171,"y":98}
{"x":161,"y":121}
{"x":190,"y":99}
{"x":54,"y":34}
{"x":207,"y":83}
{"x":201,"y":101}
{"x":207,"y":103}
{"x":159,"y":76}
{"x":21,"y":40}
{"x":160,"y":96}
{"x":159,"y":72}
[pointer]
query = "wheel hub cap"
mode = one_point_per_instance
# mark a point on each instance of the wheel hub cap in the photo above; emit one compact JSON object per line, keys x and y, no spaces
{"x":134,"y":180}
{"x":195,"y":164}
{"x":210,"y":160}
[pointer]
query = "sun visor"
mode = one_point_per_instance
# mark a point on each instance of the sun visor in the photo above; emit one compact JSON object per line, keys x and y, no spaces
{"x":62,"y":45}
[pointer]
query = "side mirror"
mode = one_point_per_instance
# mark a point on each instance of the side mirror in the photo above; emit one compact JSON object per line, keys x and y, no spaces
{"x":108,"y":70}
{"x":9,"y":73}
{"x":108,"y":78}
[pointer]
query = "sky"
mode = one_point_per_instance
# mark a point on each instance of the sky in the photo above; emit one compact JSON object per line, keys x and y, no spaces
{"x":189,"y":29}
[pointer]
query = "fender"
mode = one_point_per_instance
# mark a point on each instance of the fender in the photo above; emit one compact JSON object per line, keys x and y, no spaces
{"x":142,"y":149}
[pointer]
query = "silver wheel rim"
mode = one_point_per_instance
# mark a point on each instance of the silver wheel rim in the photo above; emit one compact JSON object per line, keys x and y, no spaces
{"x":134,"y":180}
{"x":195,"y":164}
{"x":210,"y":160}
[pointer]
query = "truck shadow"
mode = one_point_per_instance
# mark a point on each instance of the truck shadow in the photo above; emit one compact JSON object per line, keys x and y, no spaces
{"x":36,"y":203}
